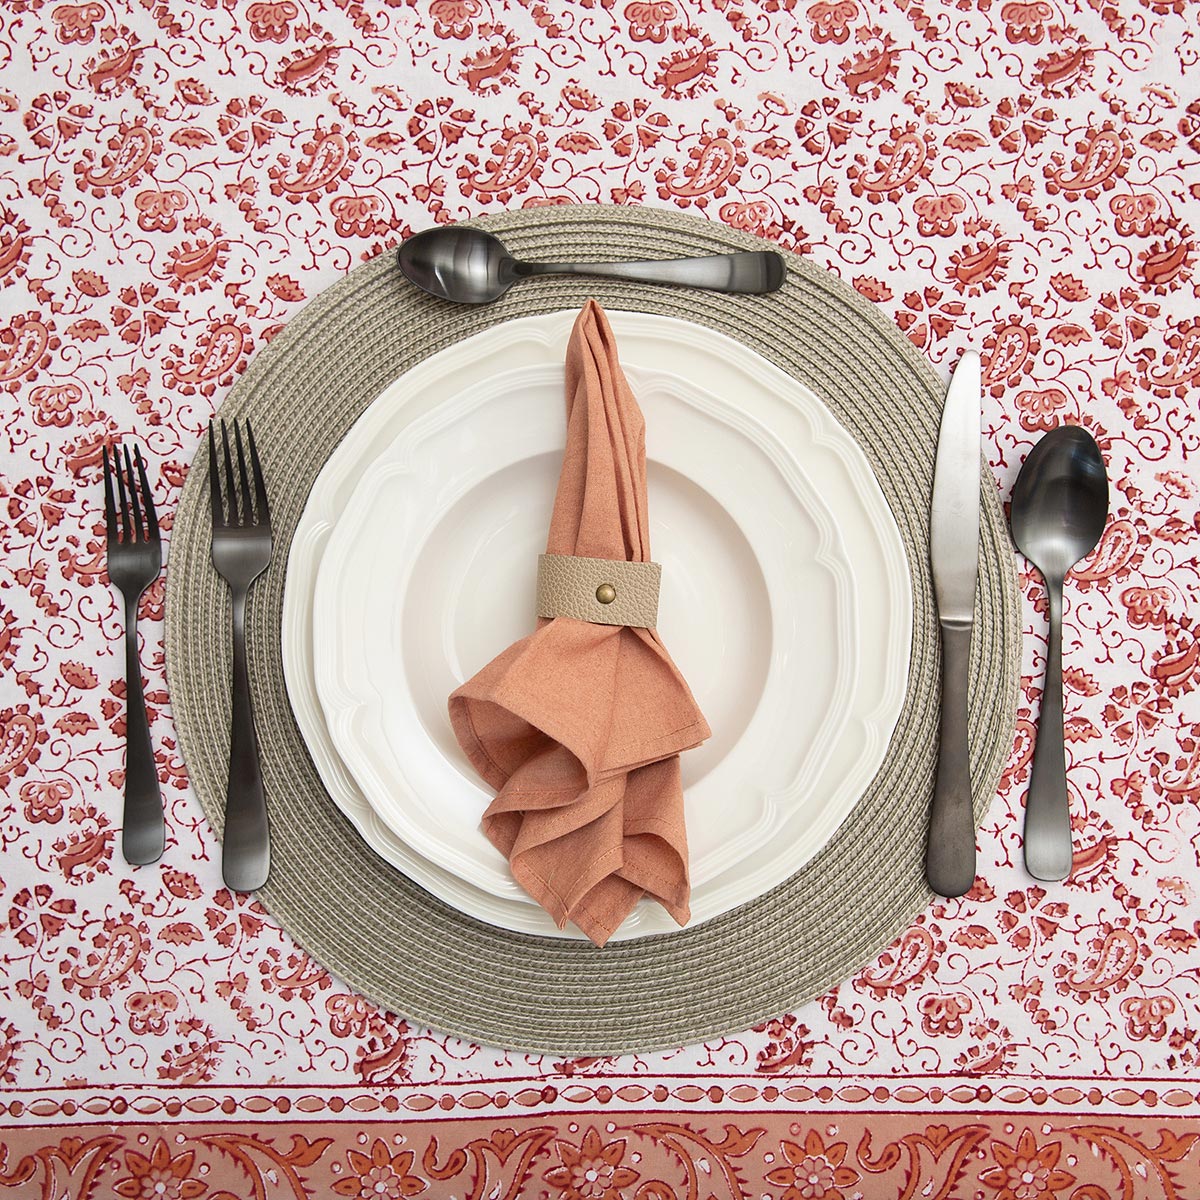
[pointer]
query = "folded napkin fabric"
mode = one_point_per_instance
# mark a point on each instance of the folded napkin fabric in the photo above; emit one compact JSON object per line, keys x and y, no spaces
{"x":579,"y":726}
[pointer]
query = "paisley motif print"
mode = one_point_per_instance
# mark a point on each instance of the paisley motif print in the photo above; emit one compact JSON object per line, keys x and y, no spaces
{"x":1016,"y":176}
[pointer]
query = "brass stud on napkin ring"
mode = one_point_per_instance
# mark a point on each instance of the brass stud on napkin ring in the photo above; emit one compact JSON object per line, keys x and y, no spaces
{"x":601,"y":590}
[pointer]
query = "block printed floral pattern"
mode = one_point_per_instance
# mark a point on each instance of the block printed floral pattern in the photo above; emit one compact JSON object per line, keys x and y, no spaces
{"x":176,"y":180}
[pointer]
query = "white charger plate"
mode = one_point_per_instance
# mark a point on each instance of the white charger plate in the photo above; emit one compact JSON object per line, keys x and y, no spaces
{"x":461,"y":589}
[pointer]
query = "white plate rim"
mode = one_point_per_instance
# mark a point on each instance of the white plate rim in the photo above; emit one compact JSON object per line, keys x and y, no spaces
{"x":358,"y":712}
{"x":316,"y":523}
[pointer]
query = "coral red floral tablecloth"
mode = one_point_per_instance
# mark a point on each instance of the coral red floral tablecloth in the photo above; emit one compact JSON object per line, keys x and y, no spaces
{"x":1017,"y":175}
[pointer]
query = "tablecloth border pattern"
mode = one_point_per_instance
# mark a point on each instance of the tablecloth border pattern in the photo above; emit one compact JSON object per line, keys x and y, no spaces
{"x":726,"y":1154}
{"x":566,"y":1093}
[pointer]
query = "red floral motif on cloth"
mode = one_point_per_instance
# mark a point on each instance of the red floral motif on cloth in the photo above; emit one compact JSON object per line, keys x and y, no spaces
{"x":610,"y":1156}
{"x":1015,"y":176}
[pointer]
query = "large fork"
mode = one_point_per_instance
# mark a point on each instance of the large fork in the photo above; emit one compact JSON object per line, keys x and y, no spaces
{"x":241,"y":550}
{"x":134,"y":557}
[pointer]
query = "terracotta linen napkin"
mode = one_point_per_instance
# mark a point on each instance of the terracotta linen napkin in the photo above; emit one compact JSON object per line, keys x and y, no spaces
{"x":579,"y":726}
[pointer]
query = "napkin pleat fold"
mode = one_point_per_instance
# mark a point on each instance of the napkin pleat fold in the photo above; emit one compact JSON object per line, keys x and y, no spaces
{"x":579,"y":726}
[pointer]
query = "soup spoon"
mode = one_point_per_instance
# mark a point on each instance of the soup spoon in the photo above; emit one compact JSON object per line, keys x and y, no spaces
{"x":1059,"y":506}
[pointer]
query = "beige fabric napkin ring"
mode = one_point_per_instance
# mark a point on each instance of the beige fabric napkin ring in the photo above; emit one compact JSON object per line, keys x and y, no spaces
{"x":601,"y":590}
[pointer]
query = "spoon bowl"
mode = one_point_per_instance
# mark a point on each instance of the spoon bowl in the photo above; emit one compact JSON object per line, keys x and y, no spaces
{"x":1060,"y":501}
{"x":469,"y":266}
{"x":458,"y":263}
{"x":1059,"y":507}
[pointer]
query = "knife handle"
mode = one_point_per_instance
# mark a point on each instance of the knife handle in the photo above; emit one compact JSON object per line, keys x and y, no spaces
{"x":950,"y":853}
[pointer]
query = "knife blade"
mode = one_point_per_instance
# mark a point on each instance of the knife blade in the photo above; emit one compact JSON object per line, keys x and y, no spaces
{"x":954,"y":558}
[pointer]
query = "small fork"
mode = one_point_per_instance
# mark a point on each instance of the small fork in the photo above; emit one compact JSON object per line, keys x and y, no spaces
{"x":134,"y":557}
{"x":241,"y":550}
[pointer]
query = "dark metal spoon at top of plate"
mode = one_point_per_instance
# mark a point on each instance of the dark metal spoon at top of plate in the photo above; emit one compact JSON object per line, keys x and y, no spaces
{"x":1059,"y":506}
{"x":470,"y":266}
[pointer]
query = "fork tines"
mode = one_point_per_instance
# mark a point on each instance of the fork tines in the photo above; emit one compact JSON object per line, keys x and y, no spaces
{"x":251,"y":508}
{"x":138,"y":520}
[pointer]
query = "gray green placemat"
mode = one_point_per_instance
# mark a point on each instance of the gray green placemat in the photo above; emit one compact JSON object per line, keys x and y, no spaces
{"x":392,"y":941}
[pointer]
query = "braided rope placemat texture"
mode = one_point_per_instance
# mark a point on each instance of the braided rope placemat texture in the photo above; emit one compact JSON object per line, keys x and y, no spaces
{"x":382,"y":934}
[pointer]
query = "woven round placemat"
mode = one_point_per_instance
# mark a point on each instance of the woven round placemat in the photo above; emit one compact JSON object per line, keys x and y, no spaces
{"x":382,"y":934}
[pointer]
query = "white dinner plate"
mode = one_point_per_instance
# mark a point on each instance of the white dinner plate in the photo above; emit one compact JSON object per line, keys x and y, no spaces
{"x":785,"y":601}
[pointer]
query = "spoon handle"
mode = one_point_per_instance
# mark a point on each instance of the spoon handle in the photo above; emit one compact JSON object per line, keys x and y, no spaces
{"x":950,"y":852}
{"x":748,"y":272}
{"x":1047,"y":809}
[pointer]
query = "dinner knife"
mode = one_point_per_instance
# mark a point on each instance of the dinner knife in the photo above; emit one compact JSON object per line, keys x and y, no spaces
{"x":954,"y":557}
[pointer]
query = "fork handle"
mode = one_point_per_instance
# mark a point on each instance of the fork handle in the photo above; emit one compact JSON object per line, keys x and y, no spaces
{"x":246,"y":850}
{"x":142,"y":833}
